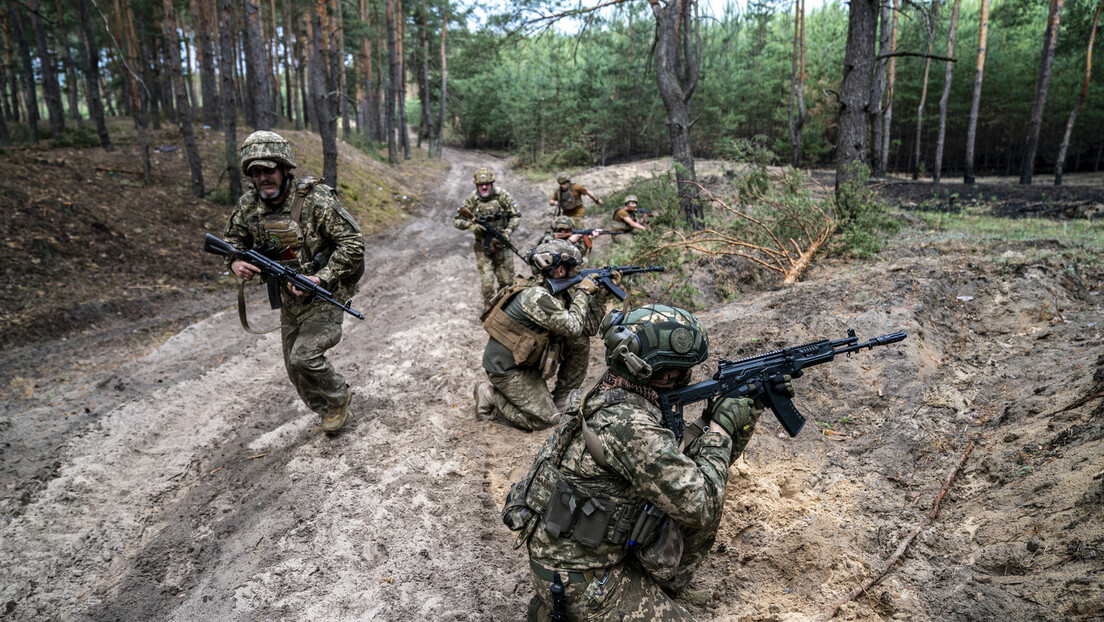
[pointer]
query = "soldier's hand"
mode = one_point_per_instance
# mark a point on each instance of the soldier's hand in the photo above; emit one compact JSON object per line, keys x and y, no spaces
{"x":615,"y":277}
{"x":588,"y":285}
{"x":244,"y":270}
{"x":783,"y":385}
{"x":734,"y":413}
{"x":478,"y":228}
{"x":298,"y":292}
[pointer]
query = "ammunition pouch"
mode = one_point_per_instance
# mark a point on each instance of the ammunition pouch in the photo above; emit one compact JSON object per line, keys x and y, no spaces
{"x":662,"y":556}
{"x":551,"y":359}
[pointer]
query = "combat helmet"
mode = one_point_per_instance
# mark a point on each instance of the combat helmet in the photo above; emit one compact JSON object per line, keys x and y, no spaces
{"x":552,"y":253}
{"x":631,"y":199}
{"x":266,"y":149}
{"x":483,"y":175}
{"x":562,"y":178}
{"x":652,"y":339}
{"x":563,"y":222}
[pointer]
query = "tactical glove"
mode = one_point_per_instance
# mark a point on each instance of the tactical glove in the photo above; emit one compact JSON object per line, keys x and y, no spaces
{"x":615,"y":276}
{"x":783,"y":385}
{"x":588,"y":286}
{"x":735,"y":413}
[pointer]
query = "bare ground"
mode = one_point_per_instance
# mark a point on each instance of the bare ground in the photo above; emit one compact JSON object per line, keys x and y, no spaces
{"x":171,"y":473}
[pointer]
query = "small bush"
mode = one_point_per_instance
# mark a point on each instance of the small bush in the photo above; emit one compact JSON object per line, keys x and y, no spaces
{"x":865,"y":222}
{"x":221,"y":196}
{"x":366,"y":145}
{"x":78,"y":138}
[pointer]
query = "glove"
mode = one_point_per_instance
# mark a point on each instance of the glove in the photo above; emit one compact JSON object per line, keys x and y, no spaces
{"x":783,"y":385}
{"x":615,"y":276}
{"x":588,"y":286}
{"x":735,"y":413}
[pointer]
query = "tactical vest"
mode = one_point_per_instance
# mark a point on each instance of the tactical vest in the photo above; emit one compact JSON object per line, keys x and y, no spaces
{"x":567,"y":202}
{"x":281,"y":230}
{"x":526,"y":344}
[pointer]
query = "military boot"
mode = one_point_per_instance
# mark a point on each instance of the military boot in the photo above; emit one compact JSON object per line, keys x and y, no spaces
{"x":484,"y":400}
{"x":694,"y":597}
{"x":334,"y":421}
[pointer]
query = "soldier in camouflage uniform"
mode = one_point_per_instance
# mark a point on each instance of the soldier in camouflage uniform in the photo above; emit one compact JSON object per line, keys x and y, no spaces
{"x":563,"y":228}
{"x":492,"y":258}
{"x":615,"y":511}
{"x":304,"y":215}
{"x":533,"y":333}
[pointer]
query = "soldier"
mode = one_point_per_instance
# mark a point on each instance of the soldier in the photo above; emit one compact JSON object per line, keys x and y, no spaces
{"x":615,"y":515}
{"x":563,"y":228}
{"x":568,"y":199}
{"x":326,"y":245}
{"x":531,"y":330}
{"x":500,"y":210}
{"x":625,"y":219}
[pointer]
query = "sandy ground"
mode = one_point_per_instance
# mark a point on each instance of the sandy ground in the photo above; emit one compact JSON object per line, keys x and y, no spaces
{"x":191,"y":484}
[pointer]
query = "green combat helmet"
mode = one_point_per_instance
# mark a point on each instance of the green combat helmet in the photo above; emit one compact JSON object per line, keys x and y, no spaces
{"x":631,"y":199}
{"x":265,"y":149}
{"x":554,"y":253}
{"x":562,"y":178}
{"x":483,"y":176}
{"x":649,"y":340}
{"x":563,"y":223}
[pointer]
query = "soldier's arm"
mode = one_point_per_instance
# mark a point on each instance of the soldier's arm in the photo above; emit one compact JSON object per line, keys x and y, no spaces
{"x":338,"y":225}
{"x":549,"y":313}
{"x":237,"y":232}
{"x":689,"y":488}
{"x":459,"y":221}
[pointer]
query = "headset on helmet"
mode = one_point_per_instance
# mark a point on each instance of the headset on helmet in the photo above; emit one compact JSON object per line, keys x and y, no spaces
{"x":554,"y":253}
{"x":652,"y":339}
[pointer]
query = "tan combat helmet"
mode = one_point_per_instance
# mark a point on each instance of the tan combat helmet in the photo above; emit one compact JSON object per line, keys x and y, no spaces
{"x":631,"y":199}
{"x":483,"y":176}
{"x":563,"y":178}
{"x":265,"y":149}
{"x":552,"y":253}
{"x":562,"y":223}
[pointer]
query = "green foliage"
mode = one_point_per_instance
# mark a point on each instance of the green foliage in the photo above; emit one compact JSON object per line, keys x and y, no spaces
{"x":865,"y":218}
{"x":78,"y":138}
{"x":366,"y":145}
{"x":221,"y":196}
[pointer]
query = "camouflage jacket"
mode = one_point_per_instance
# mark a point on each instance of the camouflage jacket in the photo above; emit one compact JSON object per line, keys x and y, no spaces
{"x":328,"y":231}
{"x":565,"y":315}
{"x":645,"y":465}
{"x":500,"y":209}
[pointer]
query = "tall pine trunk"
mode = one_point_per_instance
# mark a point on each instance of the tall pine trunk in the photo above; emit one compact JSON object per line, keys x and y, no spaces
{"x":228,"y":99}
{"x":392,"y":88}
{"x":1042,"y":85}
{"x":70,"y":66}
{"x":878,"y":91}
{"x":91,"y":57}
{"x":126,"y":15}
{"x":183,"y":109}
{"x":427,"y":116}
{"x":858,"y":73}
{"x":256,"y":67}
{"x":369,"y":103}
{"x":205,"y":24}
{"x":50,"y":87}
{"x":30,"y":93}
{"x":321,"y":83}
{"x":400,"y":93}
{"x":933,"y":21}
{"x":444,"y":73}
{"x":937,"y":171}
{"x":881,"y":167}
{"x":1061,"y":163}
{"x":797,"y":84}
{"x":975,"y":100}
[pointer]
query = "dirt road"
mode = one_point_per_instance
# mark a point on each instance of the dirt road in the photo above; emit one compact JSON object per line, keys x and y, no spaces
{"x":204,"y":490}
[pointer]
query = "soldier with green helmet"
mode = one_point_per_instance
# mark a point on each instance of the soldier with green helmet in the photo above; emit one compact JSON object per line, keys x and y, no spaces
{"x":318,"y":237}
{"x":616,"y":513}
{"x":500,"y":210}
{"x":535,"y":334}
{"x":567,"y":198}
{"x":563,"y":228}
{"x":626,"y":219}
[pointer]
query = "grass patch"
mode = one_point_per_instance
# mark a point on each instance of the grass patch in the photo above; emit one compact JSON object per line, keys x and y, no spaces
{"x":966,"y":226}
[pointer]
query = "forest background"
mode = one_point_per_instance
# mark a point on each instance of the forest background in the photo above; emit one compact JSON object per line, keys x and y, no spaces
{"x":559,"y":84}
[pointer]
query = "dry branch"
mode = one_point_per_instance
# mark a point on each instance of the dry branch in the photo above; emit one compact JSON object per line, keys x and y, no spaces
{"x":907,"y":540}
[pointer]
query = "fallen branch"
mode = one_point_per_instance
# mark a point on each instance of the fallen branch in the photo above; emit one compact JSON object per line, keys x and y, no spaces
{"x":906,"y":541}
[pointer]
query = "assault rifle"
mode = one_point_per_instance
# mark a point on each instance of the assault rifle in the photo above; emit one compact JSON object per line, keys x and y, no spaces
{"x":761,"y":377}
{"x":587,"y":232}
{"x":274,"y":272}
{"x":603,"y":276}
{"x":488,"y":228}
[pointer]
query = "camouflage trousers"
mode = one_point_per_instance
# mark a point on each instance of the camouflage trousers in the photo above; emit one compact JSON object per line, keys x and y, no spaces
{"x":307,"y":332}
{"x":623,"y":592}
{"x":522,"y":397}
{"x":573,"y":367}
{"x":494,"y":263}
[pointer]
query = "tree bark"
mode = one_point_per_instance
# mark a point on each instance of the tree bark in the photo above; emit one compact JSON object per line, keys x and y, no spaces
{"x":126,"y":15}
{"x":878,"y":89}
{"x":321,"y":83}
{"x":858,"y":71}
{"x":91,"y":57}
{"x":228,"y":99}
{"x":797,"y":84}
{"x":30,"y":93}
{"x":975,"y":101}
{"x":882,"y":166}
{"x":50,"y":86}
{"x":937,"y":170}
{"x":1042,"y":85}
{"x":444,"y":73}
{"x":184,"y":111}
{"x":256,"y":67}
{"x":205,"y":47}
{"x":369,"y":103}
{"x":291,"y":40}
{"x":933,"y":21}
{"x":392,"y":81}
{"x":70,"y":66}
{"x":427,"y":117}
{"x":400,"y":94}
{"x":1061,"y":162}
{"x":677,"y":63}
{"x":342,"y":80}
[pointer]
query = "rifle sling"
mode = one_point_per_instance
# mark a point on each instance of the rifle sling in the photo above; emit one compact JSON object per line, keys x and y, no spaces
{"x":241,"y":313}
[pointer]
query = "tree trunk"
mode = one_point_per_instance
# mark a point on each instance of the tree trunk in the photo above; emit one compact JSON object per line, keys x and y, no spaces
{"x":933,"y":21}
{"x":205,"y":46}
{"x":228,"y":99}
{"x":392,"y":81}
{"x":797,"y":83}
{"x":369,"y":103}
{"x":1046,"y":63}
{"x":677,"y":63}
{"x":184,"y":111}
{"x":273,"y":66}
{"x":70,"y":66}
{"x":256,"y":67}
{"x":444,"y":73}
{"x":882,"y":166}
{"x":877,"y":92}
{"x":320,"y":88}
{"x":400,"y":44}
{"x":937,"y":170}
{"x":91,"y":57}
{"x":291,"y":40}
{"x":427,"y":116}
{"x":975,"y":101}
{"x":858,"y":72}
{"x":30,"y":93}
{"x":50,"y":87}
{"x":1061,"y":163}
{"x":342,"y":79}
{"x":126,"y":15}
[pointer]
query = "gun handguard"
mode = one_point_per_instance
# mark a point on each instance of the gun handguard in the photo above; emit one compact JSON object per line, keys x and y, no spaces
{"x":488,"y":228}
{"x":603,"y":276}
{"x":274,"y":271}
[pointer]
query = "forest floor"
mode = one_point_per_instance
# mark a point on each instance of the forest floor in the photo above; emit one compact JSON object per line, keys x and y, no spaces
{"x":156,"y":463}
